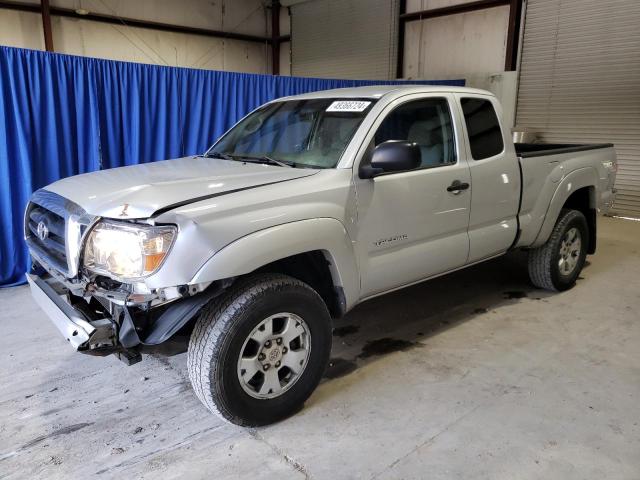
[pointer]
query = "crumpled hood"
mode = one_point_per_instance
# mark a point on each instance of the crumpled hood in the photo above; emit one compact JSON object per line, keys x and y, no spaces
{"x":139,"y":191}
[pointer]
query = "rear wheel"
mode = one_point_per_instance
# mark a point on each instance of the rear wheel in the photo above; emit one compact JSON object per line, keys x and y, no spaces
{"x":257,"y":353}
{"x":557,"y":264}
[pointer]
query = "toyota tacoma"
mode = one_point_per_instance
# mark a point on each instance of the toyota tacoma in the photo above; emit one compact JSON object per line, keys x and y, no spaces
{"x":308,"y":206}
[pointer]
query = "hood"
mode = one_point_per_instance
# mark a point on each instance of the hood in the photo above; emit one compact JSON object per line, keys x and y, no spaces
{"x":139,"y":191}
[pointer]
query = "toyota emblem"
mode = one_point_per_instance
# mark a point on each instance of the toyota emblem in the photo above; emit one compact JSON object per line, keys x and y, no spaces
{"x":42,"y":231}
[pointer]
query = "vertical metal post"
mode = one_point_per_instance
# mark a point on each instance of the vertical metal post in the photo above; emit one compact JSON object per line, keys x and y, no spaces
{"x":513,"y":35}
{"x":401,"y":31}
{"x":46,"y":25}
{"x":275,"y":37}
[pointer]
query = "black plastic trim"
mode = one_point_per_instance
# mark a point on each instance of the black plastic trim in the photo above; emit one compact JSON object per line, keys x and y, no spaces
{"x":527,"y":150}
{"x":519,"y":230}
{"x":176,"y":316}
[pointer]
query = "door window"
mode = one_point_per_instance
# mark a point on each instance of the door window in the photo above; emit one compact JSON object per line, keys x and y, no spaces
{"x":426,"y":122}
{"x":483,"y":128}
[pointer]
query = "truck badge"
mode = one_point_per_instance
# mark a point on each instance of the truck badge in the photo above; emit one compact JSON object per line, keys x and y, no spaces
{"x":42,"y":231}
{"x":383,"y":242}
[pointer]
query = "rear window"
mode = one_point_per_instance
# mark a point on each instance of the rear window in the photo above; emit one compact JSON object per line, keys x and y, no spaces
{"x":485,"y":136}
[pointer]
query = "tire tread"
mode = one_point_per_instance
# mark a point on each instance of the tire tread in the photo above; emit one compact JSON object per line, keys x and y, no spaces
{"x":214,"y":322}
{"x":541,"y":258}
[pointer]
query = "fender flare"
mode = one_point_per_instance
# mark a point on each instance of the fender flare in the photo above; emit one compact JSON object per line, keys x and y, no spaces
{"x":248,"y":253}
{"x":580,"y":178}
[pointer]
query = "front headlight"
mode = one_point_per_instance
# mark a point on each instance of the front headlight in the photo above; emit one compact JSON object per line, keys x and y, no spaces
{"x":127,"y":252}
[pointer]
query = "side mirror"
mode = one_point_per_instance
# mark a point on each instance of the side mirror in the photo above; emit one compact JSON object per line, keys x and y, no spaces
{"x":392,"y":156}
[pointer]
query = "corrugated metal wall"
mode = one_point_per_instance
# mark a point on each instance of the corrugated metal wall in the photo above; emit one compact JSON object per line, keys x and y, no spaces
{"x":345,"y":39}
{"x":580,"y":81}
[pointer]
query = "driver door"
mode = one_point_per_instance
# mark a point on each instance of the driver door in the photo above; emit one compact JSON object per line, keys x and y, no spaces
{"x":412,"y":225}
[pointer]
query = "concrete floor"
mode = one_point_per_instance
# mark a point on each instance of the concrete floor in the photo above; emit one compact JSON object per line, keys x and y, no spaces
{"x":474,"y":375}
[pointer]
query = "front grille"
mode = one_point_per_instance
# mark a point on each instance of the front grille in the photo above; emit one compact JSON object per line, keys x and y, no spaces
{"x":47,"y":230}
{"x":50,"y":222}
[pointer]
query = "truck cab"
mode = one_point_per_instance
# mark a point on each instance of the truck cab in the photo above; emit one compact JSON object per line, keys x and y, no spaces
{"x":457,"y":207}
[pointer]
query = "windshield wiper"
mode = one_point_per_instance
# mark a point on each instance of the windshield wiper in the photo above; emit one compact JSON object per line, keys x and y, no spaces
{"x":223,"y":156}
{"x":264,"y":159}
{"x":251,"y":159}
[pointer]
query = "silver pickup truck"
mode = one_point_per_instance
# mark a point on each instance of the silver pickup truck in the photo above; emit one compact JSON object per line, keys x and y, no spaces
{"x":308,"y":206}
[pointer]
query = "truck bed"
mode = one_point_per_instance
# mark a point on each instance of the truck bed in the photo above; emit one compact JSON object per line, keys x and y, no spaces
{"x":525,"y":150}
{"x":543,"y":166}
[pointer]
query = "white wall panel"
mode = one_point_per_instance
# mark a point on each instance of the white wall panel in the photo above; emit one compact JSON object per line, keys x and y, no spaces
{"x":456,"y":45}
{"x":116,"y":42}
{"x":580,"y":81}
{"x":285,"y":21}
{"x":21,"y":29}
{"x":285,"y":58}
{"x":345,"y":38}
{"x":504,"y":86}
{"x":247,"y":57}
{"x":241,"y":16}
{"x":121,"y":42}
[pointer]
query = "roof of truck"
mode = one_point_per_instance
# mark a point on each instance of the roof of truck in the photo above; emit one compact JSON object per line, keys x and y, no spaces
{"x":378,"y":91}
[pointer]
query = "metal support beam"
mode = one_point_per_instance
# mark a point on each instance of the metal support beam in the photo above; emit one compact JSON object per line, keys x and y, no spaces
{"x":275,"y":37}
{"x":132,"y":22}
{"x":513,"y":35}
{"x":452,"y":10}
{"x":46,"y":25}
{"x":401,"y":35}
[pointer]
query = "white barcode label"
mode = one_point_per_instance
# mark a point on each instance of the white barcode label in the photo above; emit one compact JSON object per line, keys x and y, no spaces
{"x":348,"y":106}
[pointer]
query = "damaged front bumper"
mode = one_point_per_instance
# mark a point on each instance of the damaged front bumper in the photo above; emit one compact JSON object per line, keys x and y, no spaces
{"x":126,"y":331}
{"x":81,"y":333}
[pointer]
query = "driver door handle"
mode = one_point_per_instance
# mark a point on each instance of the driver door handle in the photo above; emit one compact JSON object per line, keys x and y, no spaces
{"x":457,"y":186}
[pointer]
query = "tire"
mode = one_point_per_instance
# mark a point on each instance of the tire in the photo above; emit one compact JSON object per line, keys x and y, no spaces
{"x":226,"y":330}
{"x":556,"y":266}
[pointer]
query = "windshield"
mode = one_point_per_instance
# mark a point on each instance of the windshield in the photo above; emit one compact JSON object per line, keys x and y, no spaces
{"x":301,"y":133}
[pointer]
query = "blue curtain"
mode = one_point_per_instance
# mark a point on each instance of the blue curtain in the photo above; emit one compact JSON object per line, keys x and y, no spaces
{"x":62,"y":115}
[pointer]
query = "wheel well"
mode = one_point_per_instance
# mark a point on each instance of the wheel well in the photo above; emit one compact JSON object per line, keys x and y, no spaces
{"x":313,"y":268}
{"x":583,"y":200}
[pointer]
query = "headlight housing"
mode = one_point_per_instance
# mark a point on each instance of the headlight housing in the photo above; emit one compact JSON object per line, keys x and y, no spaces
{"x":125,"y":251}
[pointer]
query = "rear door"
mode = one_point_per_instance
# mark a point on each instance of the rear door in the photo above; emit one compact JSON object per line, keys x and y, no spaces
{"x":412,"y":225}
{"x":495,"y":177}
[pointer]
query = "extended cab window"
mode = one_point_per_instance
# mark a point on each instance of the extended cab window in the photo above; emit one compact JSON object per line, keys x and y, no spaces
{"x":483,"y":128}
{"x":426,"y":122}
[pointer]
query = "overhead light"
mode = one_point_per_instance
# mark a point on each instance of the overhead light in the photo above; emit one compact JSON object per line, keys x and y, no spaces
{"x":82,"y":11}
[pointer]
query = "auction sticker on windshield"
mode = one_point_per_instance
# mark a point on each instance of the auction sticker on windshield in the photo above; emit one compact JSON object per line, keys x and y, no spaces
{"x":348,"y":106}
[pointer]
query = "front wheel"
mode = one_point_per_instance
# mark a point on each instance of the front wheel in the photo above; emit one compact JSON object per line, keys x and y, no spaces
{"x":557,"y":264}
{"x":257,"y":353}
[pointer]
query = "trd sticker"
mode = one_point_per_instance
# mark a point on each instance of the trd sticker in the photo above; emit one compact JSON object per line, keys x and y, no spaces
{"x":348,"y":106}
